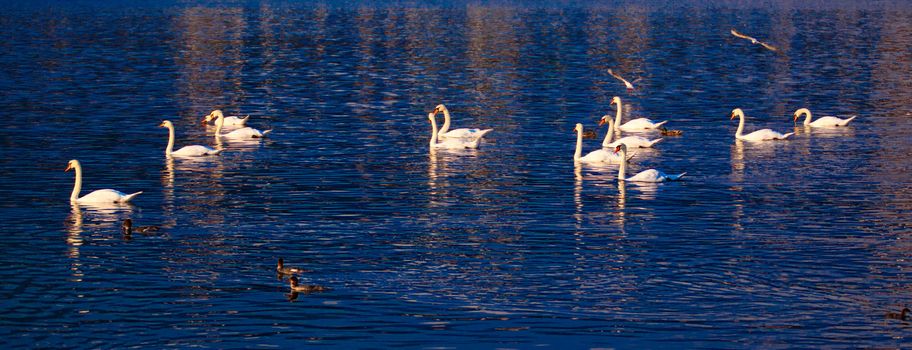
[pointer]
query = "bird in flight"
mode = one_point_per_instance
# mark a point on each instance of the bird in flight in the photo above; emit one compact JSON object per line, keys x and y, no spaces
{"x":754,"y":40}
{"x":626,"y":83}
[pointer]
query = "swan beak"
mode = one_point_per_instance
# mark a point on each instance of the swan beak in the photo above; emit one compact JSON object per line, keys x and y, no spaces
{"x":162,"y":125}
{"x":732,"y":116}
{"x":69,"y":166}
{"x":795,"y":119}
{"x":601,"y":122}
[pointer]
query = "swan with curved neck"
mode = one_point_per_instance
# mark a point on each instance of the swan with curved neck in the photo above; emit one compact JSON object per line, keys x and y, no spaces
{"x":453,"y":143}
{"x":242,"y":133}
{"x":462,"y":133}
{"x":649,"y":175}
{"x":599,"y":156}
{"x":186,"y":151}
{"x":98,"y":196}
{"x":632,"y":141}
{"x":759,"y":135}
{"x":638,"y":124}
{"x":229,"y":120}
{"x":822,"y":122}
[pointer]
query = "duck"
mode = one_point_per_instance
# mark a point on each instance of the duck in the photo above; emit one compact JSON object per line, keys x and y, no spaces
{"x":186,"y":151}
{"x":229,"y":120}
{"x":600,"y":156}
{"x":449,"y":143}
{"x":242,"y":133}
{"x":103,"y":196}
{"x":638,"y":124}
{"x":822,"y":122}
{"x":649,"y":175}
{"x":462,"y":133}
{"x":286,"y":270}
{"x":759,"y":135}
{"x":128,"y":228}
{"x":899,"y":316}
{"x":632,"y":141}
{"x":666,"y":132}
{"x":305,"y":288}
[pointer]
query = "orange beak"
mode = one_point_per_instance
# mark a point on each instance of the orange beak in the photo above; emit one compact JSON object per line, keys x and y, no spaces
{"x":795,"y":119}
{"x":69,"y":166}
{"x":732,"y":116}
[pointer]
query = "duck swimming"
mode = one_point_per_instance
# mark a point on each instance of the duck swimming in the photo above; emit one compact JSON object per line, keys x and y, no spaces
{"x":666,"y":132}
{"x":306,"y":288}
{"x":285,"y":270}
{"x":128,"y":228}
{"x":899,"y":316}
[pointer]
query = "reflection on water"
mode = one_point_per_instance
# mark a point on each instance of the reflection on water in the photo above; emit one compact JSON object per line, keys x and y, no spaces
{"x":797,"y":243}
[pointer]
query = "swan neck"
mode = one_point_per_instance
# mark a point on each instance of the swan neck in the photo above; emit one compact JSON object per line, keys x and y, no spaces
{"x":218,"y":126}
{"x":807,"y":118}
{"x":608,"y":136}
{"x":170,"y":146}
{"x":579,"y":145}
{"x":77,"y":186}
{"x":617,"y":116}
{"x":740,"y":125}
{"x":446,"y":121}
{"x":622,"y":169}
{"x":433,"y":133}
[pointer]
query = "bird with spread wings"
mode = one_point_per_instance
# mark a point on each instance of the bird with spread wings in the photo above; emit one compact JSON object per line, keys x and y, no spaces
{"x":754,"y":40}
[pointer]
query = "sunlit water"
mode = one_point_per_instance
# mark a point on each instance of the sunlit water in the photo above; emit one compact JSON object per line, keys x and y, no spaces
{"x":803,"y":243}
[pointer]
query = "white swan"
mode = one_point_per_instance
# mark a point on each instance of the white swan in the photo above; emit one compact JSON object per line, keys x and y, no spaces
{"x":649,"y":175}
{"x":638,"y":124}
{"x":759,"y":135}
{"x":632,"y":141}
{"x":186,"y":151}
{"x":98,"y":196}
{"x":822,"y":122}
{"x":242,"y":133}
{"x":229,"y":121}
{"x":602,"y":156}
{"x":462,"y":133}
{"x":452,"y":143}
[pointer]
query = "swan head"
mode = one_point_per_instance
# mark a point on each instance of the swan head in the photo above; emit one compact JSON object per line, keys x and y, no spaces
{"x":619,"y":148}
{"x":72,"y":164}
{"x":432,"y":116}
{"x":606,"y":119}
{"x":616,"y":100}
{"x":799,"y":112}
{"x":737,"y":112}
{"x":212,"y":115}
{"x":166,"y":124}
{"x":439,"y":108}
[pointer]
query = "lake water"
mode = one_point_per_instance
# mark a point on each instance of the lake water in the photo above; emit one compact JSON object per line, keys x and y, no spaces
{"x":802,"y":243}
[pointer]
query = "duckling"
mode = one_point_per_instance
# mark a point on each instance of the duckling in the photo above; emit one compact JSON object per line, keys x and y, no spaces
{"x":306,"y":288}
{"x":589,"y":134}
{"x":666,"y":132}
{"x":128,"y":228}
{"x":899,"y":316}
{"x":284,"y":270}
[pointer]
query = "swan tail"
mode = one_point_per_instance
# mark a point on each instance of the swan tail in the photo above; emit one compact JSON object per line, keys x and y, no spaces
{"x":128,"y":197}
{"x":484,"y":132}
{"x":658,"y":125}
{"x":244,"y":119}
{"x":845,"y":122}
{"x":787,"y":135}
{"x":215,"y":152}
{"x":263,"y":134}
{"x":653,"y":142}
{"x":676,"y":177}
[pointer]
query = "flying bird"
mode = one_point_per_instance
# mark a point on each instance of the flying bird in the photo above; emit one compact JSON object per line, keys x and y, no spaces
{"x":626,"y":83}
{"x":754,"y":41}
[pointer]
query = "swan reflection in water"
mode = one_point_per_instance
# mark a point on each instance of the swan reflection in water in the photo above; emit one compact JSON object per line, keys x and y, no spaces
{"x":108,"y":216}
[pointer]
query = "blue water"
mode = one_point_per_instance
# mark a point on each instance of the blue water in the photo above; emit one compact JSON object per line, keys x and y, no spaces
{"x":801,"y":243}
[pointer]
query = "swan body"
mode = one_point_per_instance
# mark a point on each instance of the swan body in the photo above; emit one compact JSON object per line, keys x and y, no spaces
{"x":306,"y":288}
{"x":186,"y":151}
{"x":242,"y":133}
{"x":759,"y":135}
{"x":601,"y":156}
{"x":638,"y":124}
{"x":632,"y":141}
{"x":461,"y":133}
{"x":648,"y":175}
{"x":104,"y":196}
{"x":287,"y":270}
{"x":229,"y":120}
{"x":822,"y":122}
{"x":450,"y":143}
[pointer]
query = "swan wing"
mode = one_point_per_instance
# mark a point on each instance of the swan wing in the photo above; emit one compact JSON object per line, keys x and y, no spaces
{"x":649,"y":175}
{"x":107,"y":196}
{"x":246,"y":133}
{"x":235,"y":121}
{"x":829,"y":121}
{"x":457,"y":144}
{"x":465,"y":133}
{"x":194,"y":151}
{"x":641,"y":124}
{"x":602,"y":156}
{"x":632,"y":141}
{"x":764,"y":135}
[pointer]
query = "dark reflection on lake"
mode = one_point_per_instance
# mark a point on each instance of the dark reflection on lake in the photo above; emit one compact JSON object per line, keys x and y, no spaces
{"x":803,"y":243}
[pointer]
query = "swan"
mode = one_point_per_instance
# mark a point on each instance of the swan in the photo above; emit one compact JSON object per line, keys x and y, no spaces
{"x":638,"y":124}
{"x":242,"y":133}
{"x":229,"y":121}
{"x":649,"y":175}
{"x":287,"y":270}
{"x":632,"y":141}
{"x":462,"y":133}
{"x":98,"y":196}
{"x":822,"y":122}
{"x":759,"y":135}
{"x":186,"y":151}
{"x":602,"y":156}
{"x":451,"y":143}
{"x":754,"y":41}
